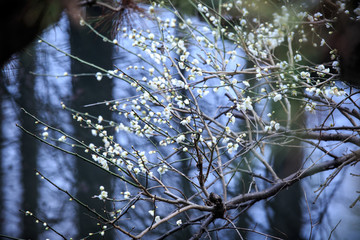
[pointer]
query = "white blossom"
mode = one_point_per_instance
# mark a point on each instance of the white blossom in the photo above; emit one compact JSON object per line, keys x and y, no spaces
{"x":98,"y":76}
{"x":62,"y":138}
{"x":127,"y":195}
{"x":246,"y":105}
{"x":180,"y":139}
{"x":246,"y":83}
{"x":297,"y":58}
{"x":103,"y":195}
{"x":310,"y":107}
{"x":277,"y":97}
{"x":162,"y":169}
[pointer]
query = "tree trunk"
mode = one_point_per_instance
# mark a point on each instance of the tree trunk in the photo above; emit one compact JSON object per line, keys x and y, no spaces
{"x":28,"y":146}
{"x":87,"y":46}
{"x":286,"y":215}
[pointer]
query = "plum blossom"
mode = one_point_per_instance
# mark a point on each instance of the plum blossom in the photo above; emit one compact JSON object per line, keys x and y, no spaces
{"x":277,"y":97}
{"x":98,"y":76}
{"x":162,"y":169}
{"x":180,"y":139}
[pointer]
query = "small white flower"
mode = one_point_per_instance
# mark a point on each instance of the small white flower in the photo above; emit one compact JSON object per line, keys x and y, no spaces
{"x":232,"y":147}
{"x":247,"y":104}
{"x":242,"y":22}
{"x":127,"y":195}
{"x":277,"y":97}
{"x":225,"y":140}
{"x":103,"y":194}
{"x":178,"y":222}
{"x":310,"y":107}
{"x":318,"y":15}
{"x":180,"y":139}
{"x":283,"y":64}
{"x":183,"y":122}
{"x":136,"y":170}
{"x":205,"y":29}
{"x":272,"y":123}
{"x":229,"y":114}
{"x":151,"y":71}
{"x":92,"y":146}
{"x":357,"y":10}
{"x":62,"y":138}
{"x":162,"y":169}
{"x":227,"y":129}
{"x":99,"y":127}
{"x":98,"y":76}
{"x":322,"y":43}
{"x":297,"y":58}
{"x":129,"y":166}
{"x":246,"y":83}
{"x":100,"y":119}
{"x":304,"y":75}
{"x":151,"y":10}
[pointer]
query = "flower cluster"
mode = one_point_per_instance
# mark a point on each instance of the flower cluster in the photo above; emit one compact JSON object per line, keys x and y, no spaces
{"x":207,"y":93}
{"x":178,"y":74}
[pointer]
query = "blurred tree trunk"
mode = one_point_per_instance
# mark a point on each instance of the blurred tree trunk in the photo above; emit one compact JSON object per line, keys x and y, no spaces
{"x":87,"y":46}
{"x":28,"y":147}
{"x":241,"y":186}
{"x":245,"y":220}
{"x":286,"y":214}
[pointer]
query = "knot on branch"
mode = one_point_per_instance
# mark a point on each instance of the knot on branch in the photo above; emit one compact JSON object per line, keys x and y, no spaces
{"x":216,"y":201}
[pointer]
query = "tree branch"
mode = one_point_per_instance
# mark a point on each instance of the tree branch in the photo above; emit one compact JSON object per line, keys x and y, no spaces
{"x":293,"y":178}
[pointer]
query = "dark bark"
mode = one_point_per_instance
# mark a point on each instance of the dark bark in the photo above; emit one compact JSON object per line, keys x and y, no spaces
{"x":28,"y":147}
{"x":285,"y":219}
{"x":87,"y":46}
